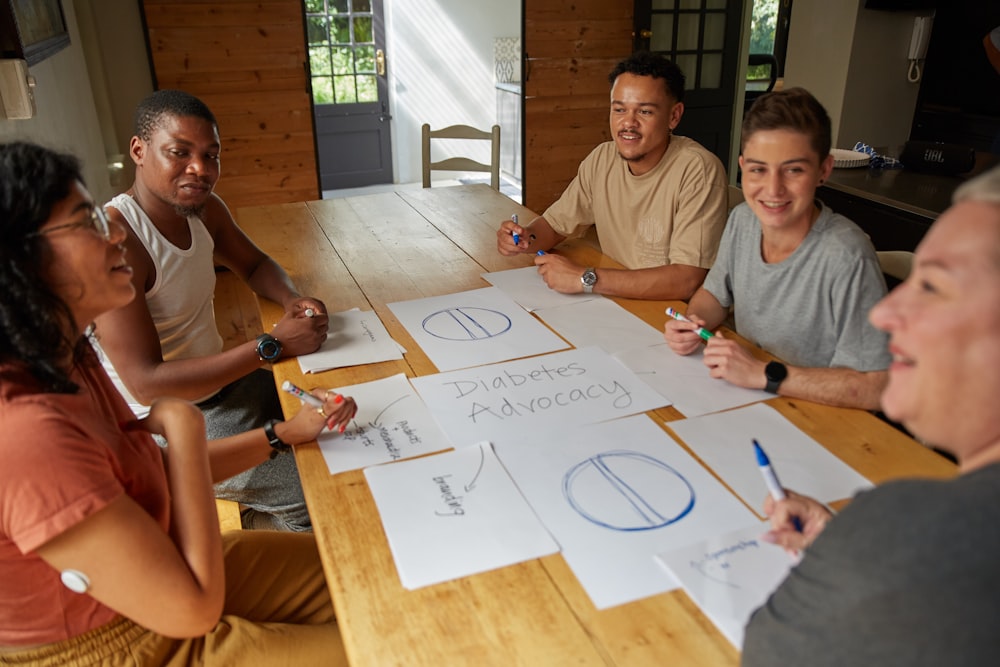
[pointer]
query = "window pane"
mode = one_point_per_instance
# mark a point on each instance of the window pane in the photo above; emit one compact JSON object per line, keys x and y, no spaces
{"x":363,"y":29}
{"x":316,"y":29}
{"x":689,"y":66}
{"x":322,"y":90}
{"x":367,"y":89}
{"x":688,"y":26}
{"x":663,"y":33}
{"x":338,"y":6}
{"x":340,"y":29}
{"x":663,"y":4}
{"x":715,"y":4}
{"x":319,"y":61}
{"x":343,"y":61}
{"x":362,"y":6}
{"x":364,"y":59}
{"x":344,"y":88}
{"x":690,"y":4}
{"x":711,"y":70}
{"x":762,"y":26}
{"x":715,"y":31}
{"x":315,"y":6}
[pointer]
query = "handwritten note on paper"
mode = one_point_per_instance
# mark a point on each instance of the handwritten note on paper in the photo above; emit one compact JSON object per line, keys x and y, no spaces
{"x":729,"y":576}
{"x":392,"y":423}
{"x":616,"y":494}
{"x":528,"y":289}
{"x":724,"y":442}
{"x":508,"y":401}
{"x":685,"y":380}
{"x":454,"y":514}
{"x":473,"y":328}
{"x":356,"y":337}
{"x":601,"y":322}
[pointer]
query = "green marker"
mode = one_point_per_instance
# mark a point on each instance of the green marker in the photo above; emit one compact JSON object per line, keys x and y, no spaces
{"x":701,"y":331}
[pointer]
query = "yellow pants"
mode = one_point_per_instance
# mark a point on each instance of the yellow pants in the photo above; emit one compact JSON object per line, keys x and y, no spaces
{"x":277,"y":613}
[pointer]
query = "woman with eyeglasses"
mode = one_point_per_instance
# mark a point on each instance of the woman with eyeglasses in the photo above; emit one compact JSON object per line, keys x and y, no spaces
{"x":110,"y":549}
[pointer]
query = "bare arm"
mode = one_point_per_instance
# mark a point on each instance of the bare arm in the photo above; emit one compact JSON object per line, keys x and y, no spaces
{"x":130,"y":560}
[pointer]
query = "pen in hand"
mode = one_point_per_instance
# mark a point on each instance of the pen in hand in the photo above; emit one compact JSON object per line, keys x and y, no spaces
{"x":517,"y":238}
{"x":701,"y":331}
{"x":308,"y":398}
{"x":771,"y":480}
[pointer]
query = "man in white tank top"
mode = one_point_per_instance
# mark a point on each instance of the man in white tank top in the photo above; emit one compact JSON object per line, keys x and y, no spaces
{"x":165,"y":343}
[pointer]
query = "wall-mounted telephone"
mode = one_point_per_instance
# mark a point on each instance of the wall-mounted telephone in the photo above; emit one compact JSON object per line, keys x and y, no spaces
{"x":918,"y":46}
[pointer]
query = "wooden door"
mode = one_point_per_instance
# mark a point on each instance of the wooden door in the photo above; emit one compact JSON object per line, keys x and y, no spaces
{"x":247,"y":61}
{"x":570,"y":46}
{"x":703,"y":38}
{"x":347,"y":64}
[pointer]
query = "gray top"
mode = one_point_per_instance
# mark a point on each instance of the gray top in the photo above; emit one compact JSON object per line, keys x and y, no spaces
{"x":812,"y":308}
{"x":908,"y":574}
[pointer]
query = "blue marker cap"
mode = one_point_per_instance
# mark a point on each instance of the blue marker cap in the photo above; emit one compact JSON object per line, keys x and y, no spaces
{"x":762,"y":459}
{"x":540,"y":253}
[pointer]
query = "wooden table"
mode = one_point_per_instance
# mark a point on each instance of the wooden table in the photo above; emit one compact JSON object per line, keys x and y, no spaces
{"x":373,"y":250}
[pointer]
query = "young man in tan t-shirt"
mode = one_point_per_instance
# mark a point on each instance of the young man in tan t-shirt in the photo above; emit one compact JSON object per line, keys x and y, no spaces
{"x":659,"y":201}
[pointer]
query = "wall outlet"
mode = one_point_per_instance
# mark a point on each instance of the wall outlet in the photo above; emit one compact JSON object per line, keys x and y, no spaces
{"x":17,"y":97}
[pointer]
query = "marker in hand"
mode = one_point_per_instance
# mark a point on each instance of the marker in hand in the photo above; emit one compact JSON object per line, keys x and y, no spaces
{"x":309,"y":312}
{"x":771,"y":480}
{"x":517,"y":238}
{"x":701,"y":331}
{"x":302,"y":395}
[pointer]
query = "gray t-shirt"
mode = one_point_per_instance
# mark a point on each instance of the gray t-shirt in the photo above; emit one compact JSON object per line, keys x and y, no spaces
{"x":812,"y":308}
{"x":908,"y":574}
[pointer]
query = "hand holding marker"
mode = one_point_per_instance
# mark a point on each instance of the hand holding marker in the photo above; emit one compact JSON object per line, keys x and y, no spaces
{"x":701,"y":331}
{"x":771,"y":480}
{"x":309,"y":399}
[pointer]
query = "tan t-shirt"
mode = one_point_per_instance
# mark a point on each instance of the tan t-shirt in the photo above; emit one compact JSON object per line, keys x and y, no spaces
{"x":673,"y":214}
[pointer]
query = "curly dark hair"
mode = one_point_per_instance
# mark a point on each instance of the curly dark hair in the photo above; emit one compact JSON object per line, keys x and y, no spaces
{"x":790,"y":109}
{"x":32,"y":317}
{"x":644,"y":63}
{"x":170,"y":103}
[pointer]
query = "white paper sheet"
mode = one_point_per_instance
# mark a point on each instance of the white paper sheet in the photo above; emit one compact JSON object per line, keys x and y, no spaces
{"x":724,"y":442}
{"x":356,"y":337}
{"x":392,"y":423}
{"x":528,"y":289}
{"x":616,"y":494}
{"x":729,"y":576}
{"x":521,"y":398}
{"x":454,"y":514}
{"x":473,"y":328}
{"x":600,"y":322}
{"x":685,"y":380}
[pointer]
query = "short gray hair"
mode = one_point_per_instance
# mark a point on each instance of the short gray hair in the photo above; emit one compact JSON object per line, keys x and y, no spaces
{"x":983,"y":188}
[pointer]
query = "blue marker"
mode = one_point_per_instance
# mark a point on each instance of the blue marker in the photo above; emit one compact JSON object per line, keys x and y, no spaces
{"x":517,"y":239}
{"x":771,"y":480}
{"x":540,"y":253}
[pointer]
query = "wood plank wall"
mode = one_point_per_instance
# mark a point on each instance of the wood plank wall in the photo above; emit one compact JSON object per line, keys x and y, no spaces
{"x":247,"y":61}
{"x":570,"y":47}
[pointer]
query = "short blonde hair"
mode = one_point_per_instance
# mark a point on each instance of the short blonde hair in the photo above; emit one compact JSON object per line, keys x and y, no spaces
{"x":983,"y":188}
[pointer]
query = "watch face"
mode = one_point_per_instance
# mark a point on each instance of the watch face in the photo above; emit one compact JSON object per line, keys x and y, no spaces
{"x":268,"y":348}
{"x":589,"y":278}
{"x":775,"y":371}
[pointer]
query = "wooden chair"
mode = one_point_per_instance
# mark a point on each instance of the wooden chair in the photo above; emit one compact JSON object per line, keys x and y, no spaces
{"x":895,"y":263}
{"x":460,"y":163}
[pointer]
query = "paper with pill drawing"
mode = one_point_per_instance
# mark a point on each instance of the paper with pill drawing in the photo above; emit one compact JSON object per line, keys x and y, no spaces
{"x":724,"y":442}
{"x":474,"y":328}
{"x":454,"y":514}
{"x":729,"y":576}
{"x":355,"y":337}
{"x":516,"y":399}
{"x":616,"y":494}
{"x":392,"y":423}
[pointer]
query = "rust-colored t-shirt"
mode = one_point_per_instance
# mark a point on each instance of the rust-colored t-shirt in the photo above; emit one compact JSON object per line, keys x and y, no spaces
{"x":63,"y":457}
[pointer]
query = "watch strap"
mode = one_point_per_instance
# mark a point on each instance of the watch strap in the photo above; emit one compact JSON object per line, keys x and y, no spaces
{"x":277,"y":444}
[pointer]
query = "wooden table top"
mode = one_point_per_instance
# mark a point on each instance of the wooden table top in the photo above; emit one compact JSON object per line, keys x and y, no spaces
{"x":372,"y":250}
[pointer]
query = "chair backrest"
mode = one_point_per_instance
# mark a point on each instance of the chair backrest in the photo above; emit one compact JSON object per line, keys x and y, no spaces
{"x":460,"y":163}
{"x":895,"y":263}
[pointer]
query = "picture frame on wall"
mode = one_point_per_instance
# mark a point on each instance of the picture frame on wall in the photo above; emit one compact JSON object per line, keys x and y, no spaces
{"x":32,"y":30}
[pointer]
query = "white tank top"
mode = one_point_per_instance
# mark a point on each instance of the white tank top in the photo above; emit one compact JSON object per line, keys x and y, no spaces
{"x":181,"y":298}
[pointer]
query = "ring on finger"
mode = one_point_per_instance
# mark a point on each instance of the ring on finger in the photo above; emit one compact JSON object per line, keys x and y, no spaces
{"x":322,"y":412}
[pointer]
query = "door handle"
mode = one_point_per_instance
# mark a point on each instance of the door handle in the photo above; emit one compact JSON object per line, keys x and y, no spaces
{"x":380,"y":62}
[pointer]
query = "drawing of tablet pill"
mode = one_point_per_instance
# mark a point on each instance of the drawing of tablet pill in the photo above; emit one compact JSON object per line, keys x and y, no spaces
{"x":466,"y":323}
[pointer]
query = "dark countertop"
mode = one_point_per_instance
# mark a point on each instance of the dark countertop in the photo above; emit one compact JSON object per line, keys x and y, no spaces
{"x":925,"y":195}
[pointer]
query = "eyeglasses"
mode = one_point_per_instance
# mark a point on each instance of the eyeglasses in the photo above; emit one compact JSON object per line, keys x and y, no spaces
{"x":96,"y":222}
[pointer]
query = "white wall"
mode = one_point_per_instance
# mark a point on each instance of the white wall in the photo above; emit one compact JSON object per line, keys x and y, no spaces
{"x":854,"y":61}
{"x":440,"y":62}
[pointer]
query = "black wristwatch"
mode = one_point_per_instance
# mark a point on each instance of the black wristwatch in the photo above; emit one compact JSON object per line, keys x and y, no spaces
{"x":268,"y":347}
{"x":277,"y":444}
{"x":589,"y":279}
{"x":775,"y":372}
